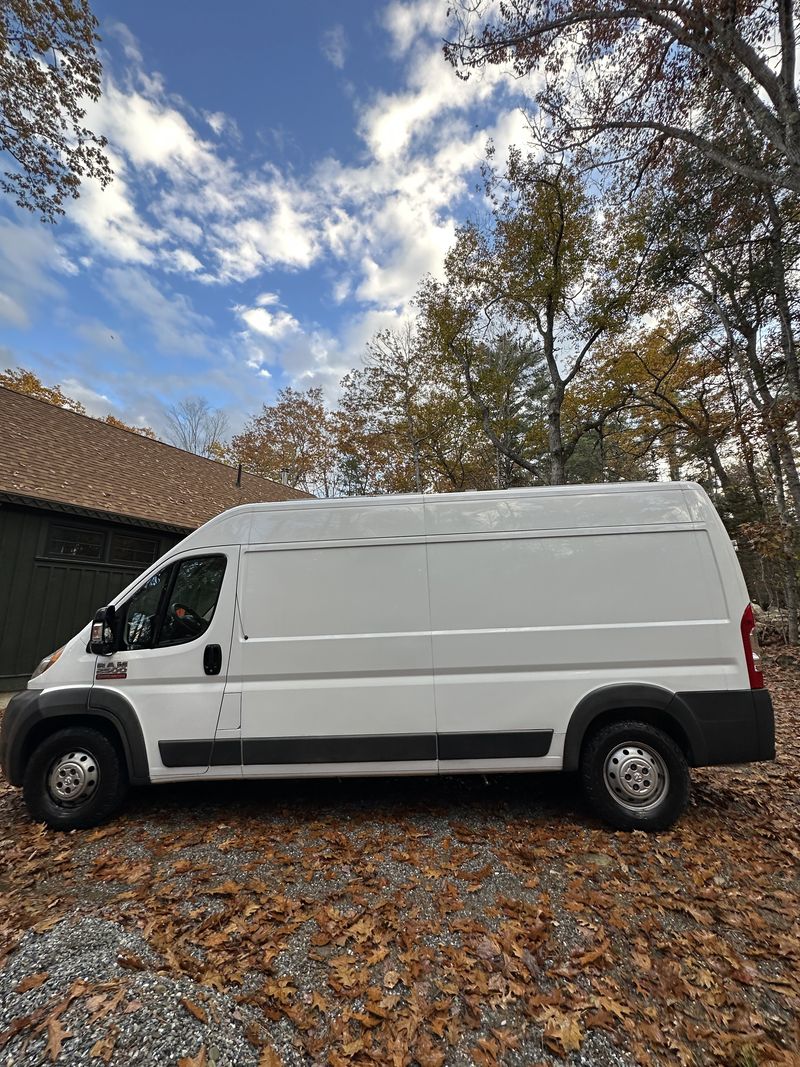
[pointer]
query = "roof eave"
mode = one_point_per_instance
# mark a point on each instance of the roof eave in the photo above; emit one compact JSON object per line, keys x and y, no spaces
{"x":46,"y":504}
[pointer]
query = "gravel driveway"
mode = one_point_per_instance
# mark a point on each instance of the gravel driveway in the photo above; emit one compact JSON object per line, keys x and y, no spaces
{"x":409,"y":921}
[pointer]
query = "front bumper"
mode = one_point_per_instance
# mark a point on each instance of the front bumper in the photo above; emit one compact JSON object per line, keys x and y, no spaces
{"x":16,"y":723}
{"x":20,"y":720}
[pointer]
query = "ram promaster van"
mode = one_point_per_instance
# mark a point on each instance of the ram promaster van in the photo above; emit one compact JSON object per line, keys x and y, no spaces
{"x":604,"y":629}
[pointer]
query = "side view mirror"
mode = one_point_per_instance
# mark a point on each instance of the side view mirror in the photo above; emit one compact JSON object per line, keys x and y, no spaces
{"x":101,"y":643}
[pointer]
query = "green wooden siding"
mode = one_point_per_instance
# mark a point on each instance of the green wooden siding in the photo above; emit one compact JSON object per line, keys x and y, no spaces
{"x":43,"y":601}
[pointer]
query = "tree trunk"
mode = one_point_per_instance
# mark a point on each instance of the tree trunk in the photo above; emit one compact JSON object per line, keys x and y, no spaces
{"x":554,"y":437}
{"x":790,"y":586}
{"x":782,"y":304}
{"x":417,"y":467}
{"x":789,"y":567}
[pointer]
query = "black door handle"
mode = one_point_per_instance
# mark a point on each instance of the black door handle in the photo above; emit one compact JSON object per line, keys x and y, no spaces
{"x":212,"y":659}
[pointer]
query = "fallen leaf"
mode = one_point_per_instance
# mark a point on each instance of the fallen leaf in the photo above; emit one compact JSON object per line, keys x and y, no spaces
{"x":269,"y":1057}
{"x":132,"y":963}
{"x":196,"y":1010}
{"x":562,"y":1034}
{"x":22,"y":1022}
{"x":33,"y":981}
{"x":104,"y":1047}
{"x":200,"y":1059}
{"x":56,"y":1036}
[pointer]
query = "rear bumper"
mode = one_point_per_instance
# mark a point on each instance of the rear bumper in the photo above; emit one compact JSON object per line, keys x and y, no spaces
{"x":730,"y":726}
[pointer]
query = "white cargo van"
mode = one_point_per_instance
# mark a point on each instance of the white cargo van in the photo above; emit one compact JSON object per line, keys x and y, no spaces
{"x":604,"y":629}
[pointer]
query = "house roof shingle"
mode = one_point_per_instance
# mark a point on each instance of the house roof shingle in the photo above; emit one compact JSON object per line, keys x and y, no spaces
{"x":49,"y":454}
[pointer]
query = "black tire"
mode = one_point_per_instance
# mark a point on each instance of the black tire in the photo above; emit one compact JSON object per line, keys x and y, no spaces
{"x":614,"y":748}
{"x":97,"y":766}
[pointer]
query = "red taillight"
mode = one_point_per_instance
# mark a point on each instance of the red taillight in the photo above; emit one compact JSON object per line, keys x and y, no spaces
{"x":752,"y":652}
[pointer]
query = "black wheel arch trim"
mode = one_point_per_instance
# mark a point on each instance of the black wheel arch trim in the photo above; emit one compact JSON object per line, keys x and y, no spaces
{"x":26,"y":710}
{"x":638,"y":696}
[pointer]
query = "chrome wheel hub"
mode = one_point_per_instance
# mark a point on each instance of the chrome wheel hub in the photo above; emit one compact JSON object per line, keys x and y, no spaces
{"x":636,"y":776}
{"x":73,"y":778}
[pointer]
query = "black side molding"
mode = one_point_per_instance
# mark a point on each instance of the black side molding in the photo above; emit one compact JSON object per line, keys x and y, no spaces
{"x":225,"y":753}
{"x":371,"y":748}
{"x":517,"y":744}
{"x":378,"y":748}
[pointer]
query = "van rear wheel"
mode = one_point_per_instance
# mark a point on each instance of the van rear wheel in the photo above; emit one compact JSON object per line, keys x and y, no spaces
{"x":75,"y":778}
{"x":635,"y":776}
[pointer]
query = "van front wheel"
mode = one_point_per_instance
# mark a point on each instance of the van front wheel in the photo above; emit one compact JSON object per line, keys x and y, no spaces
{"x":75,"y":778}
{"x":635,"y":776}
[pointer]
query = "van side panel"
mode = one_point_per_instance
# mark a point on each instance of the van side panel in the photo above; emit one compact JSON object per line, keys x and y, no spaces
{"x":335,"y":651}
{"x":727,"y":574}
{"x":526,"y":623}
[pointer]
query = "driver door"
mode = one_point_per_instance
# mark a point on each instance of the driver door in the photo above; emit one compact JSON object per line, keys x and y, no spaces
{"x":174,"y":641}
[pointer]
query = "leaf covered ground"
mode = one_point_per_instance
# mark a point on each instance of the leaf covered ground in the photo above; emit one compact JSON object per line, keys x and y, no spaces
{"x":410,"y":921}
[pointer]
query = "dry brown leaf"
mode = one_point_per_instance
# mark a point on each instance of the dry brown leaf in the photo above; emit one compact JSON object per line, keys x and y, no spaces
{"x":130,"y":962}
{"x":319,"y":1002}
{"x":200,"y":1059}
{"x":195,"y":1009}
{"x":22,"y":1022}
{"x":227,"y":889}
{"x":562,"y":1033}
{"x":33,"y":981}
{"x":601,"y":1019}
{"x":593,"y":954}
{"x":269,"y":1057}
{"x":47,"y":924}
{"x":104,"y":1047}
{"x":56,"y":1036}
{"x":427,"y":1053}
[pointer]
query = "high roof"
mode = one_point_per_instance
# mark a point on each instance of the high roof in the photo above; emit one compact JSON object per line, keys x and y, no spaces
{"x":76,"y":463}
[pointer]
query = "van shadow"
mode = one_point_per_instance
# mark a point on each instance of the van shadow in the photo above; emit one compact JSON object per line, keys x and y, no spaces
{"x":551,"y":798}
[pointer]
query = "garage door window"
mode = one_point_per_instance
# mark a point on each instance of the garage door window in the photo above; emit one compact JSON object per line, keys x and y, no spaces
{"x":70,"y":542}
{"x":127,"y":551}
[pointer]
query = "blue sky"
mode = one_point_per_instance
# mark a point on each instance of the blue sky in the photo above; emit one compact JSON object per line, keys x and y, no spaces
{"x":285,"y":175}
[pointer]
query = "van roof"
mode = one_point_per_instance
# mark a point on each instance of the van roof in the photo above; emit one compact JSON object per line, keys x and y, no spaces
{"x":590,"y":488}
{"x":233,"y":526}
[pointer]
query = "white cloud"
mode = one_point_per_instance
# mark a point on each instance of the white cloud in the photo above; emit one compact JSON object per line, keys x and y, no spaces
{"x":97,"y":404}
{"x":273,"y":325}
{"x":13,"y":312}
{"x":334,"y":46}
{"x":111,"y":223}
{"x":222,"y":124}
{"x":406,"y":22}
{"x":29,"y":261}
{"x":267,"y":299}
{"x":304,"y":354}
{"x":184,"y":261}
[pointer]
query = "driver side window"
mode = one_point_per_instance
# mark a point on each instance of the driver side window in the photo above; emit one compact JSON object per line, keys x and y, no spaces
{"x":176,"y":605}
{"x":192,"y":599}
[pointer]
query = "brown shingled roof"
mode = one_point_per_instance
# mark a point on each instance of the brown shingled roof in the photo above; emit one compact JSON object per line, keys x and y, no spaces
{"x":49,"y":454}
